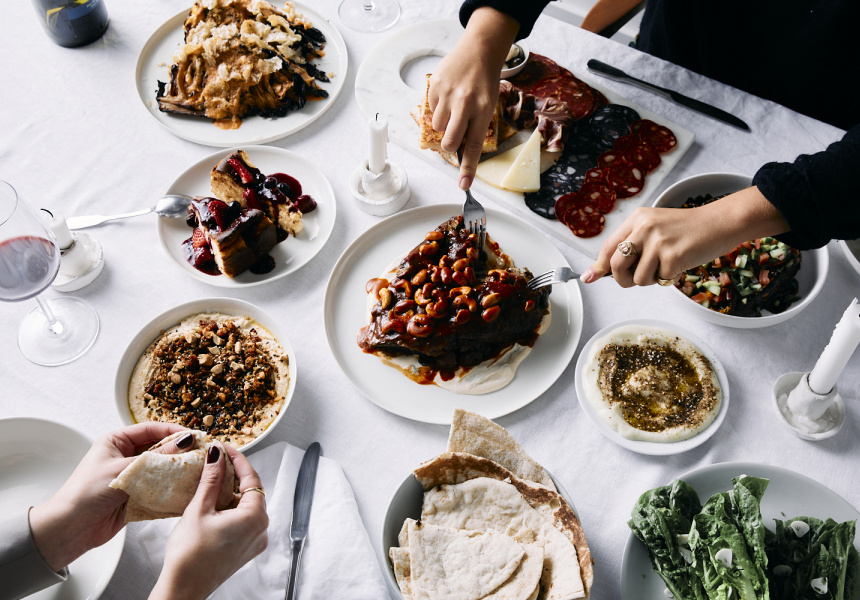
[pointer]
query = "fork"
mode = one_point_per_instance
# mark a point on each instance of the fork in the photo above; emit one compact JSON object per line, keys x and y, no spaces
{"x":559,"y":275}
{"x":474,"y":215}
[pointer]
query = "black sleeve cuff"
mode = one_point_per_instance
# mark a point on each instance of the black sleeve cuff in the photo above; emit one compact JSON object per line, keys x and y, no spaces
{"x":526,"y":12}
{"x":818,"y":194}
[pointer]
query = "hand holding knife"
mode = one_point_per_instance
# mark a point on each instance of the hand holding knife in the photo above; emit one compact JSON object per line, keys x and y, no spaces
{"x":302,"y":501}
{"x":697,"y":105}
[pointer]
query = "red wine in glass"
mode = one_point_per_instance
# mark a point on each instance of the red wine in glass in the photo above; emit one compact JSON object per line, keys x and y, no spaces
{"x":28,"y":264}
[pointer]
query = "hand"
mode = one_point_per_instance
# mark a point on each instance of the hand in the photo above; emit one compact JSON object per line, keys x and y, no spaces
{"x":208,"y":546}
{"x":669,"y":240}
{"x":464,"y":88}
{"x":85,"y":512}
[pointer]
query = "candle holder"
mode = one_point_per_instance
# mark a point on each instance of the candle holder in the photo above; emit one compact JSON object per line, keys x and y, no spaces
{"x":80,"y":263}
{"x":382,"y":193}
{"x":807,"y":414}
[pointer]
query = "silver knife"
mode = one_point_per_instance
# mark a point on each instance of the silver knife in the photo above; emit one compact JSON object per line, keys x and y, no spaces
{"x":302,"y":512}
{"x":697,"y":105}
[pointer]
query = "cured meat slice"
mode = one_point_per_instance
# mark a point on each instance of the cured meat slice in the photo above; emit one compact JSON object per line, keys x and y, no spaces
{"x":608,"y":158}
{"x":600,"y":194}
{"x":657,"y":136}
{"x":595,"y":174}
{"x":624,"y":142}
{"x":563,"y":203}
{"x":537,"y":68}
{"x":578,"y":95}
{"x":608,"y":123}
{"x":627,"y":180}
{"x":583,"y":218}
{"x":642,"y":155}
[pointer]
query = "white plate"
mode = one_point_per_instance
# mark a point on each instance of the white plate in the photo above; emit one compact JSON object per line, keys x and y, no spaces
{"x":290,"y":254}
{"x":36,"y":458}
{"x":788,"y":495}
{"x":653,"y":448}
{"x":406,"y":504}
{"x":369,"y":255}
{"x":171,"y":317}
{"x":852,"y":252}
{"x":153,"y":65}
{"x":380,"y":88}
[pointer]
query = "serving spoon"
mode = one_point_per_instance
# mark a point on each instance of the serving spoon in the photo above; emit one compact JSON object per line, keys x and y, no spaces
{"x":172,"y":206}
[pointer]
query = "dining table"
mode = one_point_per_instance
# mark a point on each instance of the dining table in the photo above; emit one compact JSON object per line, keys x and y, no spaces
{"x":77,"y":138}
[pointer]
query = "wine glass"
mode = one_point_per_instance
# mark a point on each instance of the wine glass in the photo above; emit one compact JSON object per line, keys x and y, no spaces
{"x":369,"y":16}
{"x":55,"y":332}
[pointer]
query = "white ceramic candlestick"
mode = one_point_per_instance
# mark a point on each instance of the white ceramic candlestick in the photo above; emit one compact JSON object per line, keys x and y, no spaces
{"x":845,"y":339}
{"x":81,"y":256}
{"x":378,"y":145}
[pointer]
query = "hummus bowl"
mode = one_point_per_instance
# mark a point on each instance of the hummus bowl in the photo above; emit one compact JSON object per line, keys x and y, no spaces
{"x":647,"y":446}
{"x":229,"y":307}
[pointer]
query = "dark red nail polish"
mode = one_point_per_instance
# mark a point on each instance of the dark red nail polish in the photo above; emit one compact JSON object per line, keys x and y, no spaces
{"x":185,"y":441}
{"x":213,"y":455}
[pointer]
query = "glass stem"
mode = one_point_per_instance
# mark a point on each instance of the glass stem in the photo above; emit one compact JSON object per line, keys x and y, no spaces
{"x":54,"y":325}
{"x":368,"y":6}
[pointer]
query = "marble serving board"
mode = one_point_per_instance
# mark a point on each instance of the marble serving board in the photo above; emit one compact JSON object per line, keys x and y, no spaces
{"x":380,"y":88}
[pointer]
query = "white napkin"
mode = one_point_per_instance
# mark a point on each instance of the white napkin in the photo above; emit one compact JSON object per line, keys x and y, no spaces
{"x":338,"y":560}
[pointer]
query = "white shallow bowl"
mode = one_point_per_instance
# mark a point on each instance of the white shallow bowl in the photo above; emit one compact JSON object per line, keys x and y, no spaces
{"x":643,"y":447}
{"x":810,"y":277}
{"x":149,"y":332}
{"x":852,"y":252}
{"x":36,"y":457}
{"x":406,"y":504}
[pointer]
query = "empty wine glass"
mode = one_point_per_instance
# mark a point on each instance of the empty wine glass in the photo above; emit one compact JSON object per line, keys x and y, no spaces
{"x":57,"y":331}
{"x":369,"y":16}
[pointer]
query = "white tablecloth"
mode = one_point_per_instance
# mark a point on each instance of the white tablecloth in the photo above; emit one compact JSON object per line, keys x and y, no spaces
{"x":75,"y":137}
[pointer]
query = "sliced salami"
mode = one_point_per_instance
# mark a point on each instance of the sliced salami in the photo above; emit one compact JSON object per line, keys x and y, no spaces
{"x":608,"y":123}
{"x":583,"y":218}
{"x":595,"y":174}
{"x":578,"y":95}
{"x":600,"y":194}
{"x":608,"y":158}
{"x":627,"y":180}
{"x":642,"y":155}
{"x":563,"y":203}
{"x":537,"y":68}
{"x":657,"y":136}
{"x":624,"y":142}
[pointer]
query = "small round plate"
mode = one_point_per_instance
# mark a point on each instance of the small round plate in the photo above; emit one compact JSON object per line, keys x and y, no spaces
{"x":153,"y":65}
{"x":406,"y":504}
{"x":376,"y":248}
{"x":788,"y":495}
{"x":290,"y":254}
{"x":149,"y":332}
{"x":36,"y":458}
{"x":653,"y":448}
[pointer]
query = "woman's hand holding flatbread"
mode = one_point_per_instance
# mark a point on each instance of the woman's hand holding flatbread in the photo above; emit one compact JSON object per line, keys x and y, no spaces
{"x":86,"y":512}
{"x":208,"y":545}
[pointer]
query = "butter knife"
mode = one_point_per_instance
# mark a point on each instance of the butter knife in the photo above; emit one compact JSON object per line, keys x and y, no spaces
{"x":302,"y":501}
{"x":697,"y":105}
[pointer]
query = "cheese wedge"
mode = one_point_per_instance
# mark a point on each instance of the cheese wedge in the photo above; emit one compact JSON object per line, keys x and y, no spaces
{"x":494,"y":169}
{"x":524,"y":173}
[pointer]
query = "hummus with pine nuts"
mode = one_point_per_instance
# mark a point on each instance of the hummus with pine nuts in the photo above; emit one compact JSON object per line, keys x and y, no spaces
{"x":222,"y":374}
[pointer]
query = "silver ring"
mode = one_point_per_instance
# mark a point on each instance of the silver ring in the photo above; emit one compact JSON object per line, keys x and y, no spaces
{"x":626,"y":248}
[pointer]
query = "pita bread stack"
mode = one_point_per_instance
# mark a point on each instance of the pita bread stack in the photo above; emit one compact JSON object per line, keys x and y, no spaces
{"x":479,"y":496}
{"x":162,"y":485}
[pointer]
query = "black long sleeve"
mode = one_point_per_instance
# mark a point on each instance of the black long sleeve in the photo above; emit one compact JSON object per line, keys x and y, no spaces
{"x":817,"y":194}
{"x":525,"y":12}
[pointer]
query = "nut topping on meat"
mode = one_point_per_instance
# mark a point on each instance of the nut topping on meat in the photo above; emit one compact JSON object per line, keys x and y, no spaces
{"x":218,"y":379}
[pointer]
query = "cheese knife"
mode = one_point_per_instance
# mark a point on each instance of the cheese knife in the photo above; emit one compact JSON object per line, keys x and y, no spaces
{"x":697,"y":105}
{"x":302,"y":501}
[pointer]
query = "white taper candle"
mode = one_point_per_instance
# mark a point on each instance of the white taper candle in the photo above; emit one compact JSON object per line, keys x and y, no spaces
{"x":56,"y":222}
{"x":378,"y":143}
{"x":845,"y":339}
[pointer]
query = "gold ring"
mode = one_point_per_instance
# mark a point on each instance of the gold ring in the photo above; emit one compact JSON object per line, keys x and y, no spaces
{"x":665,"y":282}
{"x":626,"y":248}
{"x":253,"y":489}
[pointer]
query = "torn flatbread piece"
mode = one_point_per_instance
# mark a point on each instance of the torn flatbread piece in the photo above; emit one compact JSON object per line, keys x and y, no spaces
{"x":486,"y":504}
{"x":478,"y":435}
{"x":162,"y":485}
{"x":447,"y":564}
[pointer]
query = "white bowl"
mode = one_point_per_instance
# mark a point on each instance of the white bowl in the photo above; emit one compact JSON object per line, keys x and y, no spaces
{"x":810,"y":277}
{"x":852,"y":252}
{"x":169,"y":318}
{"x":406,"y":504}
{"x":514,"y":70}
